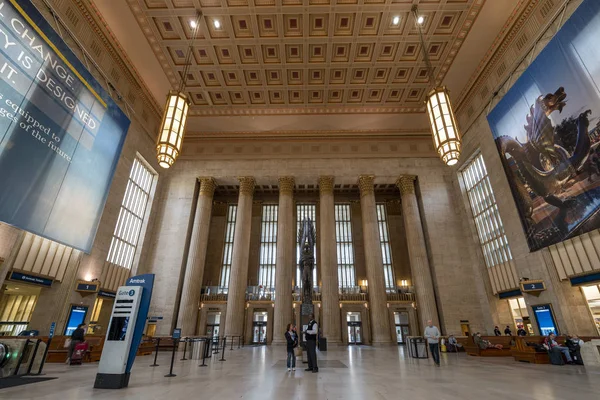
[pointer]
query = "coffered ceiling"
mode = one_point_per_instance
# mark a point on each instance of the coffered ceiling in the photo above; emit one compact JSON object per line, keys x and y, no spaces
{"x":304,"y":56}
{"x":305,"y":68}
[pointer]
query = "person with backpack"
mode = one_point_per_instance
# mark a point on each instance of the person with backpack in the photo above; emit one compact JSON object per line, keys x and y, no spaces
{"x":78,"y":336}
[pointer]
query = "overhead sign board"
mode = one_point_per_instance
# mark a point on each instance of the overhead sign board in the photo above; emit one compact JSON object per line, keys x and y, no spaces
{"x":60,"y":132}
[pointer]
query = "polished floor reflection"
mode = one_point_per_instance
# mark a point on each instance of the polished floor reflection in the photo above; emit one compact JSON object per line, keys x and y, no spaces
{"x":348,"y":373}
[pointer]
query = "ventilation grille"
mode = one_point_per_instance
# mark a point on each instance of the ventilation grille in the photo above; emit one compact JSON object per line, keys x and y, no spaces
{"x":501,"y":69}
{"x":521,"y":41}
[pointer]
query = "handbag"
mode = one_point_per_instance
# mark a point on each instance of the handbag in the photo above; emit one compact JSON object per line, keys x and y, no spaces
{"x":67,"y":343}
{"x":298,"y":351}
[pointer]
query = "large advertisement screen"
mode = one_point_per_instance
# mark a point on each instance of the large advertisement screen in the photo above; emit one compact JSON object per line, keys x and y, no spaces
{"x":60,"y":133}
{"x":546,"y":131}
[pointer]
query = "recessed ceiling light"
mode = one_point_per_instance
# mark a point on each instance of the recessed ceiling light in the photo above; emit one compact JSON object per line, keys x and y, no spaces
{"x":217,"y":23}
{"x":396,"y":20}
{"x":420,"y":20}
{"x":16,"y":288}
{"x":193,"y":24}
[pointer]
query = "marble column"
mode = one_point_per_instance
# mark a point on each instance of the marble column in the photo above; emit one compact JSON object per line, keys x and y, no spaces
{"x":194,"y":271}
{"x":330,"y":308}
{"x":236,"y":297}
{"x":380,"y":324}
{"x":417,"y":252}
{"x":286,"y":254}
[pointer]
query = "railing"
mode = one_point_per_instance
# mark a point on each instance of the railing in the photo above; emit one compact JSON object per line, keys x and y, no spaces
{"x":259,"y":293}
{"x":354,"y":297}
{"x":401,"y":297}
{"x":214,"y":293}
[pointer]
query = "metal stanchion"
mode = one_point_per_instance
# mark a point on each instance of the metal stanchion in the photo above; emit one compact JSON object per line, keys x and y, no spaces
{"x":224,"y":347}
{"x":21,"y":358}
{"x":170,"y":374}
{"x":205,"y":350}
{"x":192,"y":341}
{"x":37,"y":344}
{"x":185,"y":342}
{"x":156,"y":352}
{"x":44,"y":358}
{"x":231,"y":343}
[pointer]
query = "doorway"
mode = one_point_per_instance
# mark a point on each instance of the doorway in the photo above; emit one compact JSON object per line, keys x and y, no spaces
{"x":402,"y":326}
{"x":259,"y":328}
{"x":354,"y":328}
{"x":213,"y":324}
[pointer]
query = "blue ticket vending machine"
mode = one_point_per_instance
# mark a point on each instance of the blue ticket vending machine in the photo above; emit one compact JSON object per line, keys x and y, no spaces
{"x":76,"y":316}
{"x":545,"y":319}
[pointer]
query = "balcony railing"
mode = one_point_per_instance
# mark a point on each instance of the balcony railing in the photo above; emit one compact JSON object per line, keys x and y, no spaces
{"x":260,"y":293}
{"x":401,"y":296}
{"x":213,"y":293}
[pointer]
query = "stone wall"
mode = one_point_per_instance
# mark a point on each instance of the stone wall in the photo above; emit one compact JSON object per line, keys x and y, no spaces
{"x":447,"y":239}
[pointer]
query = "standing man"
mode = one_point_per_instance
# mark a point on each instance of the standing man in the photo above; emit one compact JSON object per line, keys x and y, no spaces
{"x":432,"y":334}
{"x":311,"y":344}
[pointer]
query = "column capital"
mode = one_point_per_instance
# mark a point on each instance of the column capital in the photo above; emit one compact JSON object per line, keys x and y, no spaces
{"x":366,"y":184}
{"x":286,"y":185}
{"x":326,"y":184}
{"x":246,"y":185}
{"x":406,"y":184}
{"x":207,"y":186}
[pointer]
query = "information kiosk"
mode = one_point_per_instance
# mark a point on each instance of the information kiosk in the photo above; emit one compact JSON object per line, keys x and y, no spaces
{"x":125,"y":332}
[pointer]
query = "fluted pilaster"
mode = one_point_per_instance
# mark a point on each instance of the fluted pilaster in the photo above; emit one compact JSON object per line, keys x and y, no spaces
{"x":329,"y":274}
{"x":194,"y":272}
{"x":417,"y":251}
{"x":234,"y":319}
{"x":286,"y":265}
{"x":380,"y":325}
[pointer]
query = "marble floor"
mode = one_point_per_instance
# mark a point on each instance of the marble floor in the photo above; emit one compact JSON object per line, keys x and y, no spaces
{"x":348,"y":373}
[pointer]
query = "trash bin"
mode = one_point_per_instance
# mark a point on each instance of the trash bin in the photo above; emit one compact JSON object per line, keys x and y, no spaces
{"x":198,"y":347}
{"x":417,"y":347}
{"x":322,"y":344}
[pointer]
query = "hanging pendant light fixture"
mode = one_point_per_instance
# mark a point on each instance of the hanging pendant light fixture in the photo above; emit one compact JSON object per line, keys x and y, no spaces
{"x":172,"y":127}
{"x":446,"y":136}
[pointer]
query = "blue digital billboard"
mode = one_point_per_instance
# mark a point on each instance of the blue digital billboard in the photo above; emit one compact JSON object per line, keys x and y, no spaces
{"x":60,"y":132}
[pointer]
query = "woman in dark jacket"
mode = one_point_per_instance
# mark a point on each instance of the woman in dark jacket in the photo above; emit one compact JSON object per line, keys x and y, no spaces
{"x":292,"y":342}
{"x":78,"y":336}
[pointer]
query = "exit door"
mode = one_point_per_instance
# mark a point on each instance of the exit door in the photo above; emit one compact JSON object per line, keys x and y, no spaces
{"x":259,"y":332}
{"x":402,"y":332}
{"x":354,"y":332}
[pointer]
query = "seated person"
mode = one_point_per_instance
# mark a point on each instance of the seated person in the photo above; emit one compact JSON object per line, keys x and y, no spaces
{"x":551,"y":344}
{"x":453,"y":344}
{"x":521,"y":331}
{"x":485,"y":344}
{"x":574,"y":344}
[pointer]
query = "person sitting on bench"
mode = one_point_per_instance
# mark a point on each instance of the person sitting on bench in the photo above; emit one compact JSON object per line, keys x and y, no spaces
{"x":574,"y":344}
{"x":485,"y":344}
{"x":552,"y":345}
{"x":453,"y":344}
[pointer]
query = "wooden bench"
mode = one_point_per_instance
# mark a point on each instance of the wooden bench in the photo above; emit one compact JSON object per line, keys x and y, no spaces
{"x":473,"y":350}
{"x":57,"y":353}
{"x":166,"y":343}
{"x":461,"y":340}
{"x":525,"y":349}
{"x":146,"y":347}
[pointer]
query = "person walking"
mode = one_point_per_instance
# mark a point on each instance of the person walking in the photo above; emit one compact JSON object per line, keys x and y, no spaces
{"x":292,"y":343}
{"x":311,"y":344}
{"x":78,"y":336}
{"x":432,"y":334}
